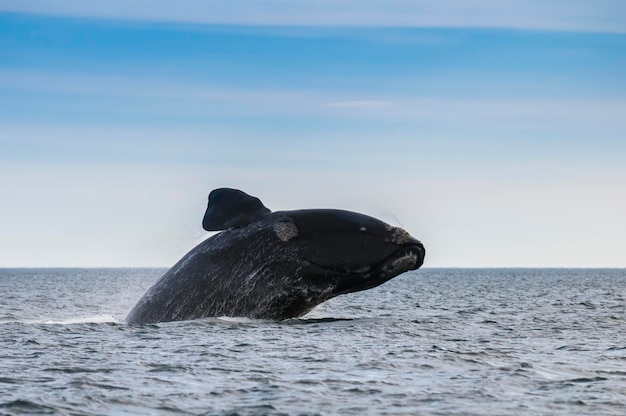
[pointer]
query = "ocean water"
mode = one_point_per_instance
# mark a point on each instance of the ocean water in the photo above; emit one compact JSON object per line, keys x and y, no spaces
{"x":430,"y":342}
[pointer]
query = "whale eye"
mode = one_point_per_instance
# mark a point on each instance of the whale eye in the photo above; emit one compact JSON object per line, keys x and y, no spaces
{"x":285,"y":231}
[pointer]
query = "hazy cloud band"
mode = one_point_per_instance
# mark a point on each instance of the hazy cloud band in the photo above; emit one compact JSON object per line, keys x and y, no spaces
{"x":558,"y":15}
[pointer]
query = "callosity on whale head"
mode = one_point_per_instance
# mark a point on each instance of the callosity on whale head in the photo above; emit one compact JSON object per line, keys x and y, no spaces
{"x":276,"y":265}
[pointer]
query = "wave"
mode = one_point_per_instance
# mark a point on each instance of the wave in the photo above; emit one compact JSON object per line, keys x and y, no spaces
{"x":93,"y":319}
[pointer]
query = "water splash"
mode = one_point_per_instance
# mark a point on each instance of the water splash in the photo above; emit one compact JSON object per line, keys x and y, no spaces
{"x":93,"y":319}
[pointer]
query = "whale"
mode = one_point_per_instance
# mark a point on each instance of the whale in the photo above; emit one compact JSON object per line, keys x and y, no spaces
{"x":276,"y":265}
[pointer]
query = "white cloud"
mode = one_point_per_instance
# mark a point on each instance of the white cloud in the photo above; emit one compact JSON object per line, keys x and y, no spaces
{"x":362,"y":104}
{"x":167,"y":97}
{"x":569,"y":15}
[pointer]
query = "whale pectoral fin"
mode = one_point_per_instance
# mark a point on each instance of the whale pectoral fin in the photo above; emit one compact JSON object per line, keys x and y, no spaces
{"x":232,"y":208}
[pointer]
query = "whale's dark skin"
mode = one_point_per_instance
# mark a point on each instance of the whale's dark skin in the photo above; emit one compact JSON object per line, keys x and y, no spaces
{"x":276,"y":265}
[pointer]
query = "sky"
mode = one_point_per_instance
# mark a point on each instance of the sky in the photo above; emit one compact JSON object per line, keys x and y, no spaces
{"x":495,"y":132}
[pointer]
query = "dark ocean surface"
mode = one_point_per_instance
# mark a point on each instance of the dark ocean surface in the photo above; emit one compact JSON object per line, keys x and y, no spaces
{"x":430,"y":342}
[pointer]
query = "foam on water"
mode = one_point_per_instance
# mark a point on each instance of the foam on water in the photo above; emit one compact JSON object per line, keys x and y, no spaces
{"x":240,"y":320}
{"x":95,"y":319}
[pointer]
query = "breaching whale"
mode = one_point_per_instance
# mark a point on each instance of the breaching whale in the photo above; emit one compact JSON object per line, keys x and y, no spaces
{"x":276,"y":265}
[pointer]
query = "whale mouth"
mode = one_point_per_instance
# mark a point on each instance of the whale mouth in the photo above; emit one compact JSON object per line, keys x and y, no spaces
{"x":407,"y":257}
{"x":410,"y":257}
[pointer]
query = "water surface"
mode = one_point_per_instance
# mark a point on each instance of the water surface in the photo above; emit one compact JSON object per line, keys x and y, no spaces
{"x":430,"y":342}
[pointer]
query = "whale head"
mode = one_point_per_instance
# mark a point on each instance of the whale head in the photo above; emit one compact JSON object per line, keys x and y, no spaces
{"x":327,"y":252}
{"x":360,"y":251}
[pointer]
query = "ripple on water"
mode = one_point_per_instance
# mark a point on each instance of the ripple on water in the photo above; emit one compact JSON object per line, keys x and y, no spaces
{"x":503,"y":342}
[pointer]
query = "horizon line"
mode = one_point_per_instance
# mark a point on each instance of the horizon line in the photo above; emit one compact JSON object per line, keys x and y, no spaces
{"x":421,"y":268}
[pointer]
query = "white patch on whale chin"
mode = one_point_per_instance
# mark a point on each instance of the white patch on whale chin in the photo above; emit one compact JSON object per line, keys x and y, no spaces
{"x":400,"y":265}
{"x":406,"y":262}
{"x":362,"y":270}
{"x":285,"y":231}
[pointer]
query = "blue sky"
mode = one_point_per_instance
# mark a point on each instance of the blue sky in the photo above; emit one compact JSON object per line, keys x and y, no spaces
{"x":495,"y":134}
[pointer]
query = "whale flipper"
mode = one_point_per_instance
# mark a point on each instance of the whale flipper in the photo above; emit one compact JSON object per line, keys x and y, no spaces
{"x":232,"y":208}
